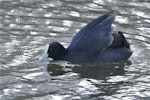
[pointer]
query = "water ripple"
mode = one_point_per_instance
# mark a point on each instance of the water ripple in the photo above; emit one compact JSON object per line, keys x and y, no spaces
{"x":28,"y":25}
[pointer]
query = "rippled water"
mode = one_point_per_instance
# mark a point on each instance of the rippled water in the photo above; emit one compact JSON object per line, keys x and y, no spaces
{"x":26,"y":26}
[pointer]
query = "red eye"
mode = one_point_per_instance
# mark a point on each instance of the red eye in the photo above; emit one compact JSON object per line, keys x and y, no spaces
{"x":50,"y":49}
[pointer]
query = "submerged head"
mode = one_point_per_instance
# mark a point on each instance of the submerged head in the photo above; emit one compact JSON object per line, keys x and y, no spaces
{"x":56,"y":51}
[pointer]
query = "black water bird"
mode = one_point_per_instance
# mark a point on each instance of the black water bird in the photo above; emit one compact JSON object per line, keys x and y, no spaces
{"x":96,"y":42}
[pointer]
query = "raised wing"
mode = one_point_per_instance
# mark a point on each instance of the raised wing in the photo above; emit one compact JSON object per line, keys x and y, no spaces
{"x":95,"y":36}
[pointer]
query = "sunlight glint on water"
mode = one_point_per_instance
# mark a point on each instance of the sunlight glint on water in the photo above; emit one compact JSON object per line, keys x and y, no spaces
{"x":27,"y":26}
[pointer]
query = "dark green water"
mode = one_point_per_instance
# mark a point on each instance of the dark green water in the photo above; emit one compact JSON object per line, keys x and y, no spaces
{"x":26,"y":26}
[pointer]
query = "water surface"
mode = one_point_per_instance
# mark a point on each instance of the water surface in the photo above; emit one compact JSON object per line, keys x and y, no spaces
{"x":26,"y":26}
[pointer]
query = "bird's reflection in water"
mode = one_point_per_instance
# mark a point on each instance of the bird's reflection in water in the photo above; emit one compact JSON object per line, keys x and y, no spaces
{"x":84,"y":70}
{"x":92,"y":79}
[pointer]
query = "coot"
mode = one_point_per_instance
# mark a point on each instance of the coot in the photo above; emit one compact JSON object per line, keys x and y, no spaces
{"x":96,"y":42}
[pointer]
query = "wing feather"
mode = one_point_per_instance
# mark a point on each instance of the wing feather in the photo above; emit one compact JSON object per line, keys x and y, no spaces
{"x":95,"y":36}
